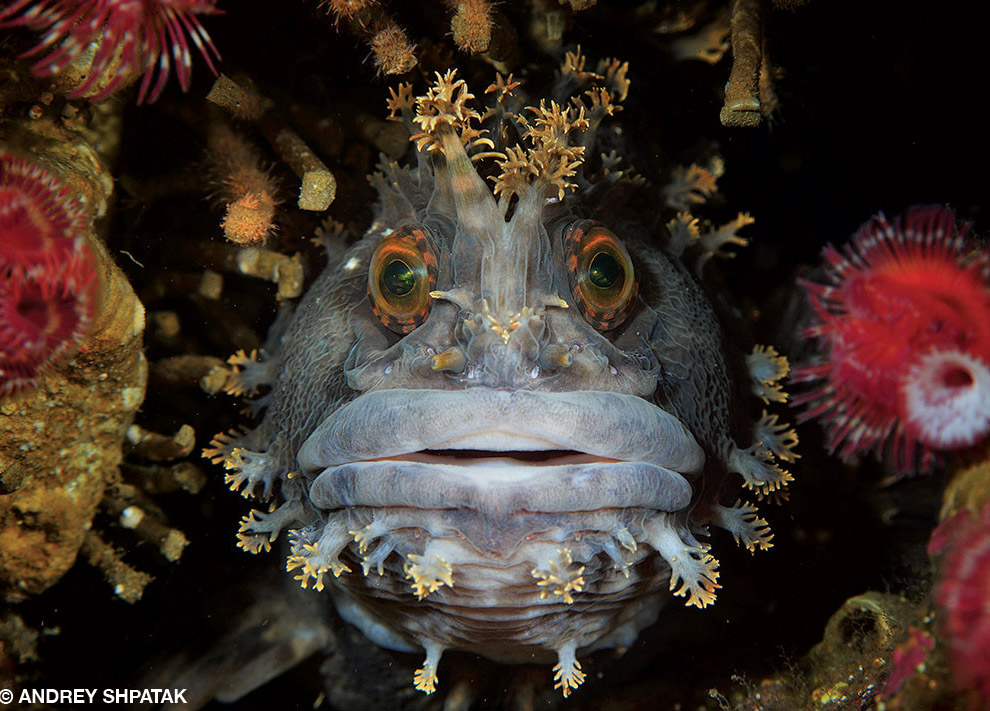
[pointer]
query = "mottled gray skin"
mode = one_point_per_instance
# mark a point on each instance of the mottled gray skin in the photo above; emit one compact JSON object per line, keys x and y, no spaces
{"x":644,"y":410}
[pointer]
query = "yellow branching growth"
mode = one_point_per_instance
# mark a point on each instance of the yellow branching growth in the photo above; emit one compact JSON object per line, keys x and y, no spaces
{"x":568,"y":676}
{"x":503,"y":87}
{"x":428,"y":573}
{"x":601,"y":101}
{"x":445,"y":108}
{"x":614,"y":74}
{"x":557,"y":579}
{"x":573,"y":67}
{"x":399,"y":100}
{"x":768,"y":368}
{"x":779,"y":437}
{"x":691,"y":185}
{"x":222,"y":444}
{"x":742,"y":520}
{"x":551,"y":160}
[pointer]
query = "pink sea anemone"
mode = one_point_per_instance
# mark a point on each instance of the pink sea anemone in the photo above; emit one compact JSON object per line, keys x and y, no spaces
{"x":47,"y":273}
{"x":904,"y":340}
{"x":132,"y":37}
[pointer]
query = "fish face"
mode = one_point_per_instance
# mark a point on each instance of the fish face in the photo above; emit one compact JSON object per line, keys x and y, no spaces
{"x":500,"y":422}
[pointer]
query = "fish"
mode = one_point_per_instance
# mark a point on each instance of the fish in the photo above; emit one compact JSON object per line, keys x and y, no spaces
{"x":501,"y":421}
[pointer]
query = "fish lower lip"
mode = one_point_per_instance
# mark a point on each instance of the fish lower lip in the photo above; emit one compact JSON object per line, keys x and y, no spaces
{"x":500,"y":486}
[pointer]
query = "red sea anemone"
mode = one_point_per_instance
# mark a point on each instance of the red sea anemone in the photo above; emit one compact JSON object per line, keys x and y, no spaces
{"x":963,"y":596}
{"x":904,"y":336}
{"x":131,"y":37}
{"x":47,"y":274}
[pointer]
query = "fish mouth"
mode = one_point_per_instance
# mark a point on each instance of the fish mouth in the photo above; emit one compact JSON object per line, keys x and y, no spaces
{"x":500,"y":452}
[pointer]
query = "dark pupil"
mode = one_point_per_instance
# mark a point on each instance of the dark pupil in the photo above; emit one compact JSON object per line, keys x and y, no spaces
{"x":398,"y":278}
{"x":604,"y":270}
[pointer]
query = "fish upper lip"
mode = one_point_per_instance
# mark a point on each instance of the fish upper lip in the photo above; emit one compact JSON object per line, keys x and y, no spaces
{"x":386,"y":424}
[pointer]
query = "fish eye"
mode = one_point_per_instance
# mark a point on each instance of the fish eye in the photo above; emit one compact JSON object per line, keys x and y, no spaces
{"x":402,"y":274}
{"x":600,"y":273}
{"x":604,"y":271}
{"x":398,"y":278}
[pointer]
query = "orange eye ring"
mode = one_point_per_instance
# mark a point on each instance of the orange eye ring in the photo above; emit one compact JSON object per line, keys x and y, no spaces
{"x":402,"y":274}
{"x":600,"y":274}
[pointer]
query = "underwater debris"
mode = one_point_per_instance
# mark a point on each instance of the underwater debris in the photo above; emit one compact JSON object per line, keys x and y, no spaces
{"x":103,"y":46}
{"x":742,"y":93}
{"x":157,"y":447}
{"x":128,"y":583}
{"x":393,"y":52}
{"x":904,"y":341}
{"x":247,"y":189}
{"x":846,"y":670}
{"x":471,"y":24}
{"x":709,"y":44}
{"x":165,"y":478}
{"x":317,"y":187}
{"x":283,"y":271}
{"x":19,"y":654}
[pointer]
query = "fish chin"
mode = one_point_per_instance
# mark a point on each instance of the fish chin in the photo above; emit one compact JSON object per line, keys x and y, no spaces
{"x":500,"y":506}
